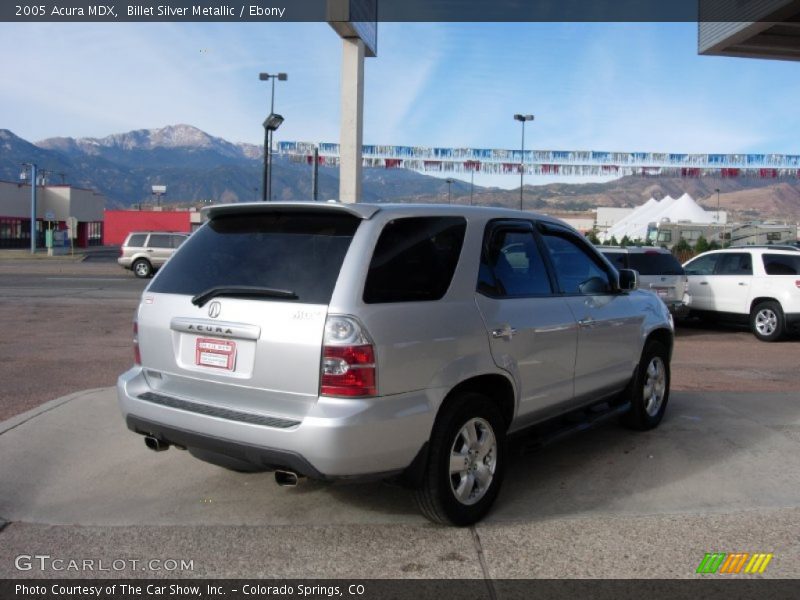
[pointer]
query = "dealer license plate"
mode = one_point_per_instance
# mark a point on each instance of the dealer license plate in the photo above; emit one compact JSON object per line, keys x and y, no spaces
{"x":220,"y":354}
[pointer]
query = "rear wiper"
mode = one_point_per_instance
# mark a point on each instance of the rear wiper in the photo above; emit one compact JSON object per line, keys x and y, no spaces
{"x":241,"y":291}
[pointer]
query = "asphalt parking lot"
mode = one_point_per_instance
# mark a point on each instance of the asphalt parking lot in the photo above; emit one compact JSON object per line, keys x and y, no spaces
{"x":719,"y":475}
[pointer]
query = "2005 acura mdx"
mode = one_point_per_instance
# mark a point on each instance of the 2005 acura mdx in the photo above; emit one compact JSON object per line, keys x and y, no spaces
{"x":357,"y":341}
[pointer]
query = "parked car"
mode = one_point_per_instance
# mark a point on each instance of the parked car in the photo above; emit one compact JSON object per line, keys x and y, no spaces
{"x":659,"y":271}
{"x":144,"y":252}
{"x":755,"y":284}
{"x":358,"y":341}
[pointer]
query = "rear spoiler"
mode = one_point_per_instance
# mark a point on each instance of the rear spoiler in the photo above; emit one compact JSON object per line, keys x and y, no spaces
{"x":362,"y":211}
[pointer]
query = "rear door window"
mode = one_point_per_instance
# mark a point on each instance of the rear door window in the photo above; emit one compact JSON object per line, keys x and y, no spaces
{"x":160,"y":241}
{"x":512,"y":266}
{"x":300,"y":252}
{"x":735,"y":263}
{"x":414,"y":259}
{"x":177,"y":240}
{"x":781,"y":264}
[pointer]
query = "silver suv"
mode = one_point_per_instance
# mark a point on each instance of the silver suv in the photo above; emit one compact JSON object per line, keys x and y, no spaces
{"x":144,"y":252}
{"x":659,"y":271}
{"x":392,"y":341}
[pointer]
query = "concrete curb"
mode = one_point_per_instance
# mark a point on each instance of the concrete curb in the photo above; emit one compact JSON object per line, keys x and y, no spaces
{"x":21,"y":418}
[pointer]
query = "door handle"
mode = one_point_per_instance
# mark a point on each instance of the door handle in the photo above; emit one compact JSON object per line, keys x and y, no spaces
{"x":505,"y":332}
{"x":587,"y":322}
{"x":703,"y":283}
{"x":742,"y":283}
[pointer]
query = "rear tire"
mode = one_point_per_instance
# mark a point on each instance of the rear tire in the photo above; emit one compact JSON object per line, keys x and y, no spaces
{"x":648,"y":390}
{"x":466,"y":462}
{"x":767,"y":321}
{"x":142,"y":268}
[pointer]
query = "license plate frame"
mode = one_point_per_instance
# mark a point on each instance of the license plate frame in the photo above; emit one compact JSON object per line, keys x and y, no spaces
{"x":215,"y":353}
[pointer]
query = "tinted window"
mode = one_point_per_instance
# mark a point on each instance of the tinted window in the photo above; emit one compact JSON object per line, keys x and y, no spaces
{"x":177,"y":240}
{"x":703,"y":265}
{"x":738,"y":263}
{"x":137,"y":240}
{"x":160,"y":241}
{"x":414,"y":259}
{"x":513,"y":266}
{"x":617,"y":259}
{"x":577,"y":271}
{"x":299,"y":252}
{"x":655,"y":263}
{"x":781,"y":264}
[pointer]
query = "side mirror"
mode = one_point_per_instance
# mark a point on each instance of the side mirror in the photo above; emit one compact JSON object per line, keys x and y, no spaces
{"x":628,"y":280}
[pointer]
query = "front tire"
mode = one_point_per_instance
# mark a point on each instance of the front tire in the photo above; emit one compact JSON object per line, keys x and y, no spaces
{"x":767,"y":321}
{"x":142,"y":268}
{"x":648,"y":391}
{"x":466,"y":462}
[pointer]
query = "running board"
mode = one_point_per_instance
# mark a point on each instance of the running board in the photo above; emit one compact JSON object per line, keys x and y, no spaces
{"x":567,"y":425}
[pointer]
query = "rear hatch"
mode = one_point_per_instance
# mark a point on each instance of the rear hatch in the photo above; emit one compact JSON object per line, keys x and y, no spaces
{"x":235,"y":319}
{"x":661,"y":273}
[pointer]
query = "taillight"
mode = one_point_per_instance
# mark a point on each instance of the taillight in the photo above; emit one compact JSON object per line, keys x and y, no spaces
{"x":348,"y":359}
{"x":797,"y":283}
{"x":137,"y":356}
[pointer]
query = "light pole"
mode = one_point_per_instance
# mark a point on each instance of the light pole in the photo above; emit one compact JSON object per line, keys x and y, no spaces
{"x":449,"y":181}
{"x":23,"y":175}
{"x":471,"y":183}
{"x":522,"y":119}
{"x":271,"y":123}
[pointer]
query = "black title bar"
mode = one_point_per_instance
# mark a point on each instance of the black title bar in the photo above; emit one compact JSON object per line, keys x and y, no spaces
{"x":388,"y":10}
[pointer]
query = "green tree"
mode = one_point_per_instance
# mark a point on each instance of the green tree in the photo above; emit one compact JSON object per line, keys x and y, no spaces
{"x":713,"y":245}
{"x":625,"y":241}
{"x":682,"y":246}
{"x":592,"y":237}
{"x":701,"y":245}
{"x":613,"y":241}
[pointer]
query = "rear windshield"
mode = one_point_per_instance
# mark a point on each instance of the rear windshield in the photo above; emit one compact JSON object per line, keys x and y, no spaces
{"x":617,"y":259}
{"x":781,"y":264}
{"x":656,"y":263}
{"x":298,"y":252}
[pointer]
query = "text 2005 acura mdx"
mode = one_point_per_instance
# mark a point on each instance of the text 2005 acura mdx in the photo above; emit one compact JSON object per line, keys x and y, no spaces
{"x":348,"y":341}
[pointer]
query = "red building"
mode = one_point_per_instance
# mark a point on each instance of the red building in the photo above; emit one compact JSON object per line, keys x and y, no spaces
{"x":119,"y":223}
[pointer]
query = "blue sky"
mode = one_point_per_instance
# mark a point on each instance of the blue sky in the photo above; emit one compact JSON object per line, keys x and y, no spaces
{"x":626,"y":87}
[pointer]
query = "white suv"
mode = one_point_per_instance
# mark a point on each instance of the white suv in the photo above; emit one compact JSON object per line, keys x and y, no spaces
{"x":759,"y":284}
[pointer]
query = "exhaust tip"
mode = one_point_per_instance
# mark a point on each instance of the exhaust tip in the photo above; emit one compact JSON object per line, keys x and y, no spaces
{"x":286,"y":478}
{"x":155,"y":444}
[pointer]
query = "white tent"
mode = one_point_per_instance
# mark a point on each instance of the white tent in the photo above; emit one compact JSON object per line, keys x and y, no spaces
{"x":668,"y":209}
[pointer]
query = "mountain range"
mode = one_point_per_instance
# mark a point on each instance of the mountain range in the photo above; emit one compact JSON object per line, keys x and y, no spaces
{"x":196,"y":166}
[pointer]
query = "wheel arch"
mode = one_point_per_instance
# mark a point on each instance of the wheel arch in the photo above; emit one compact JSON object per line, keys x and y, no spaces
{"x":492,"y":385}
{"x":664,"y":336}
{"x":761,"y":299}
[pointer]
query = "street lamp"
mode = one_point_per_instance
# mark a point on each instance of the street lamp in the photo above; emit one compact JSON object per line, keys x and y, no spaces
{"x":23,"y":176}
{"x":449,"y":181}
{"x":272,"y":123}
{"x":522,"y":119}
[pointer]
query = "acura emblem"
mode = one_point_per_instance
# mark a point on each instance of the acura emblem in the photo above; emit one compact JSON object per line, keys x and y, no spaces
{"x":214,"y":309}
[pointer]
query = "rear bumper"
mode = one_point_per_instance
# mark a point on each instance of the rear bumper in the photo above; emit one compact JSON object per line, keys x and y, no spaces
{"x":124,"y":262}
{"x":337,"y":438}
